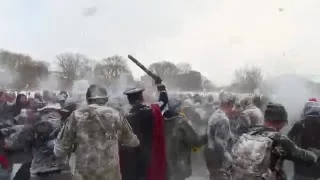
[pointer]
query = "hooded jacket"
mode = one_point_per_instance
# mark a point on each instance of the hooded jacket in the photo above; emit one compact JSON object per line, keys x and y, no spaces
{"x":180,"y":138}
{"x":305,"y":133}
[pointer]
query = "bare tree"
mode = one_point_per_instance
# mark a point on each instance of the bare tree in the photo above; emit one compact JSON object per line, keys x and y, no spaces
{"x":184,"y":68}
{"x":248,"y":78}
{"x":30,"y":73}
{"x":22,"y":69}
{"x":12,"y":60}
{"x":72,"y":65}
{"x":164,"y":69}
{"x":112,"y":67}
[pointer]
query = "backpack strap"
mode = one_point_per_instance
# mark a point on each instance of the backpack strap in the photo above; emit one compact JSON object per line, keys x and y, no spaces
{"x":103,"y":126}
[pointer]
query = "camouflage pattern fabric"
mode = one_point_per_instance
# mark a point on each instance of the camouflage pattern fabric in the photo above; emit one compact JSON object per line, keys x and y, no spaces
{"x":95,"y":132}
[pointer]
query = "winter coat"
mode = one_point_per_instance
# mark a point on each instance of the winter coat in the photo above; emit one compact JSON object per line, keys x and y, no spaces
{"x":39,"y":138}
{"x":92,"y":133}
{"x":180,"y":139}
{"x":283,"y":149}
{"x":217,"y":151}
{"x":192,"y":115}
{"x":305,"y":133}
{"x":44,"y":161}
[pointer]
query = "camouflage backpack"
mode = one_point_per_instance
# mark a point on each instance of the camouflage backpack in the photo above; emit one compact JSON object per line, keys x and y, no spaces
{"x":251,"y":155}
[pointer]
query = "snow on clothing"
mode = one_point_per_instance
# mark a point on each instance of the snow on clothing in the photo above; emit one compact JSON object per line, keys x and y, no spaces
{"x":305,"y":133}
{"x":39,"y":137}
{"x":283,"y":149}
{"x":216,"y":152}
{"x":92,"y":133}
{"x":249,"y":117}
{"x":180,"y":139}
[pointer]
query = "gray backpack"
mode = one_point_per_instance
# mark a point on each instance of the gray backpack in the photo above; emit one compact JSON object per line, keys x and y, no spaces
{"x":251,"y":155}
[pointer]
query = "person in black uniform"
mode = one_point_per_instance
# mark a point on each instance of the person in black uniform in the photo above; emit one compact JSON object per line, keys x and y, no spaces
{"x":305,"y":133}
{"x":135,"y":161}
{"x":281,"y":148}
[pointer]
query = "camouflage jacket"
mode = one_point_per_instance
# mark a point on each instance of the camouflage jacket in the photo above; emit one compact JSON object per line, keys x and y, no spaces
{"x":219,"y":139}
{"x":284,"y":149}
{"x":45,"y":133}
{"x":180,"y":139}
{"x":95,"y":131}
{"x":40,"y":139}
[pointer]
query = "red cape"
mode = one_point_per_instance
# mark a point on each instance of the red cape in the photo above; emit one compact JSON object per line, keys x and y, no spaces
{"x":4,"y":162}
{"x":157,"y":168}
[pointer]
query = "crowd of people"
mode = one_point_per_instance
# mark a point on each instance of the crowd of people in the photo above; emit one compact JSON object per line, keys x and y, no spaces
{"x":60,"y":136}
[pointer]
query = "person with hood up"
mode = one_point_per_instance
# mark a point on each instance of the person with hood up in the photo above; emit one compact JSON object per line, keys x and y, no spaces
{"x":260,"y":152}
{"x":94,"y":133}
{"x":305,"y":133}
{"x":21,"y":103}
{"x":146,"y":162}
{"x":250,"y":115}
{"x":219,"y":137}
{"x":180,"y":139}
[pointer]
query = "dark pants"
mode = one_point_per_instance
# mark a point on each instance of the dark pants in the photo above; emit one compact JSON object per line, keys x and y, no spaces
{"x":24,"y":172}
{"x":299,"y":177}
{"x":53,"y":176}
{"x":214,"y":163}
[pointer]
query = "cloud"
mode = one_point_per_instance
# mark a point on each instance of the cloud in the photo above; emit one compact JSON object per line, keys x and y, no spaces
{"x":216,"y":37}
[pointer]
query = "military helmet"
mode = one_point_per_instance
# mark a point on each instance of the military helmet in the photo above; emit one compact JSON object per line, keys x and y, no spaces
{"x":96,"y":92}
{"x":276,"y":112}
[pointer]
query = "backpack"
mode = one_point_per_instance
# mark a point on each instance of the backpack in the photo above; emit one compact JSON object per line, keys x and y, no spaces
{"x":251,"y":154}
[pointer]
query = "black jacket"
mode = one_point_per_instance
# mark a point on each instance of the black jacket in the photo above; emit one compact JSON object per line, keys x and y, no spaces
{"x":305,"y":133}
{"x":135,"y":161}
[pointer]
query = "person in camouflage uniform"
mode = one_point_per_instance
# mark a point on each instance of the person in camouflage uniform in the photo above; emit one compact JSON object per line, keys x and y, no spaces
{"x":282,"y":148}
{"x":219,"y":141}
{"x":93,"y":133}
{"x":180,"y":139}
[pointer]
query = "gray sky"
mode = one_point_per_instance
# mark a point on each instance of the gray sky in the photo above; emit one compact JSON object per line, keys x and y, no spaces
{"x":215,"y":36}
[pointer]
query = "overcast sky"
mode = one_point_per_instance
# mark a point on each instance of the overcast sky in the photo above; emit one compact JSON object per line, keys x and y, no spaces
{"x":215,"y":36}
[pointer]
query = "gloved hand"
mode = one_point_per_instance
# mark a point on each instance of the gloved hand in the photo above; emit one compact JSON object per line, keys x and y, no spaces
{"x":315,"y":151}
{"x":158,"y":80}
